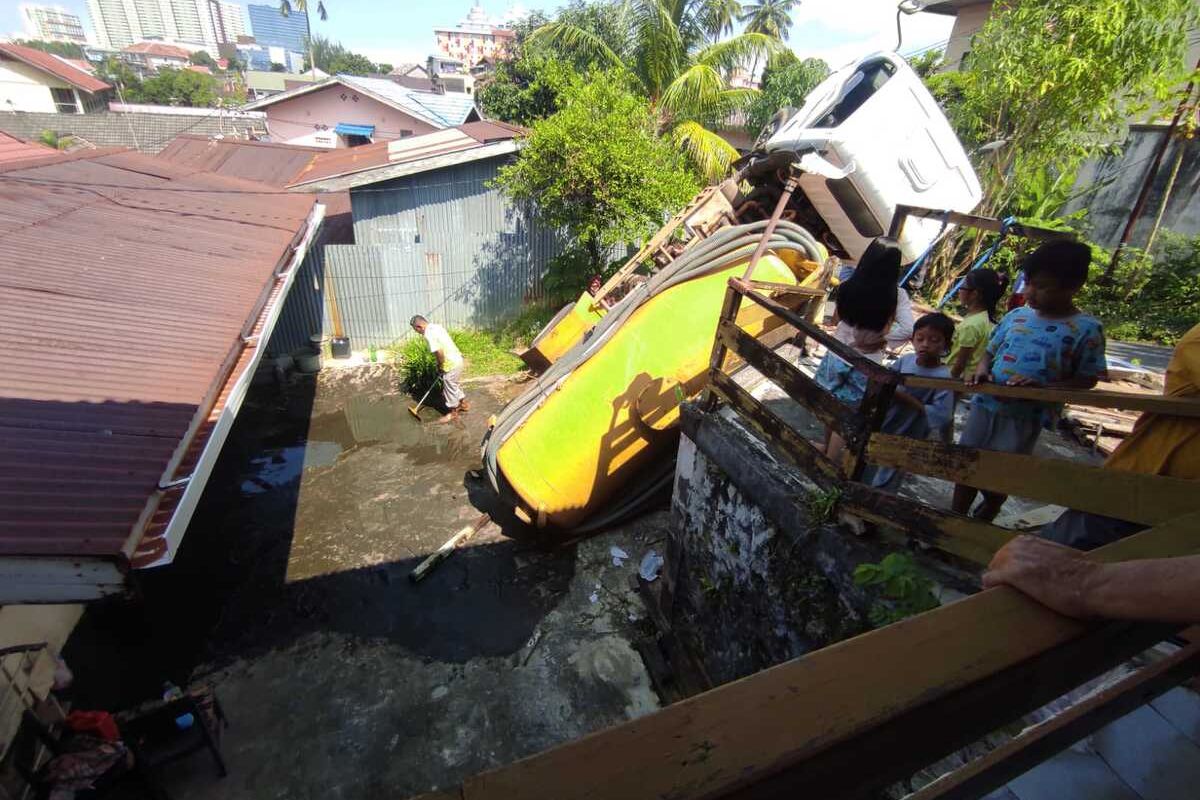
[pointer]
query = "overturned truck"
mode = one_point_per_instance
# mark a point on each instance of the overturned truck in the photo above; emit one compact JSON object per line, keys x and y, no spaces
{"x":593,"y":438}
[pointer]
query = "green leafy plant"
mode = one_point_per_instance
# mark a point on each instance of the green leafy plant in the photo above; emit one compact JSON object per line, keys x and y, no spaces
{"x":418,"y":366}
{"x":599,"y":169}
{"x":786,"y":82}
{"x":903,"y":590}
{"x":822,"y":505}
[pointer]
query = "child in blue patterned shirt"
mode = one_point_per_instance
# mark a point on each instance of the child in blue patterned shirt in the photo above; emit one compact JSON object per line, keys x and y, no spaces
{"x":1050,"y":344}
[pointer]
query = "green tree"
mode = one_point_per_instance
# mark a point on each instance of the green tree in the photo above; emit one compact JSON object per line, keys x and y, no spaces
{"x":119,"y":74}
{"x":770,"y":17}
{"x":203,"y":59}
{"x":177,"y":87}
{"x":599,"y":169}
{"x":525,"y":89}
{"x":1050,"y":84}
{"x":385,"y":67}
{"x":64,"y":49}
{"x":286,"y":7}
{"x":784,"y":86}
{"x":334,"y":58}
{"x":663,"y":45}
{"x":277,"y":67}
{"x":927,"y":63}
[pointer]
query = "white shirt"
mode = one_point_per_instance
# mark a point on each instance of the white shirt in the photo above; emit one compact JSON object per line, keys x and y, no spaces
{"x":440,"y":341}
{"x":900,"y":332}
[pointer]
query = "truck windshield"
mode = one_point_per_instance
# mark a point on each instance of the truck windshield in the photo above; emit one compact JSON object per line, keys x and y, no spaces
{"x":866,"y":81}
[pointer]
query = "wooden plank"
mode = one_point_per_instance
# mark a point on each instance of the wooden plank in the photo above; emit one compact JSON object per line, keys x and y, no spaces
{"x":1082,"y":397}
{"x":966,"y":538}
{"x":871,"y":410}
{"x":787,"y":288}
{"x":899,"y":698}
{"x":794,"y":447}
{"x":1181,"y":708}
{"x":798,"y":386}
{"x":1132,"y":496}
{"x":1038,"y":743}
{"x":844,"y":351}
{"x":716,"y":361}
{"x":1072,"y":776}
{"x":1146,"y":751}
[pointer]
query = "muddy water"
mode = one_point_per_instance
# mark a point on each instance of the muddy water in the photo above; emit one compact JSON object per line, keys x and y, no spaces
{"x":325,"y":497}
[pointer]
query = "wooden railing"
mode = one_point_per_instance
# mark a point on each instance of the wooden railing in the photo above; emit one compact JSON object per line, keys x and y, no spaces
{"x":847,"y":720}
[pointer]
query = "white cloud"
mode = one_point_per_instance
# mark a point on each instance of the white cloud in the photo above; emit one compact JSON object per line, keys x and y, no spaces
{"x":840,"y":31}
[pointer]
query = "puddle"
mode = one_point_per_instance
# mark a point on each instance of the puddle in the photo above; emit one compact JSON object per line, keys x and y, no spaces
{"x":372,"y":421}
{"x":280,"y":466}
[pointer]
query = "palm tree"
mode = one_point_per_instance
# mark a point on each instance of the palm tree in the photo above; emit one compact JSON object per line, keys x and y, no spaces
{"x":717,"y":16}
{"x":287,"y":6}
{"x":664,"y":46}
{"x":771,"y":18}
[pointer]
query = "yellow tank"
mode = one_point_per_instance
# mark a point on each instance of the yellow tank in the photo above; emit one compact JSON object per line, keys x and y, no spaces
{"x":563,"y":332}
{"x":614,"y":416}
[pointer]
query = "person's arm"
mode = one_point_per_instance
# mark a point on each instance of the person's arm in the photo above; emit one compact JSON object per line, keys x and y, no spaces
{"x":907,"y":399}
{"x":1066,"y":580}
{"x":441,"y":360}
{"x":983,"y":372}
{"x":961,"y":359}
{"x":901,"y":329}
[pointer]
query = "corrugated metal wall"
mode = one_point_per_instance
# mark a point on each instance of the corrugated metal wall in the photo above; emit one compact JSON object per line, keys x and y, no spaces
{"x":304,"y":312}
{"x":442,"y":244}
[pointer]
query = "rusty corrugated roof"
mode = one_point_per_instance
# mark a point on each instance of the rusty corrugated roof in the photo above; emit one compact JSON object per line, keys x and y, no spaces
{"x":53,"y":65}
{"x":266,"y":162}
{"x":13,"y":149}
{"x":350,"y":160}
{"x":126,"y":284}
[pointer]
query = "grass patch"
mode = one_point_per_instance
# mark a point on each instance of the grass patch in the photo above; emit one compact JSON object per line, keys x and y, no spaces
{"x":485,"y":354}
{"x":523,"y":328}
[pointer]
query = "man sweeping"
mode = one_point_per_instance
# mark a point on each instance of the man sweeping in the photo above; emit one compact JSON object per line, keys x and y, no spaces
{"x":450,"y":363}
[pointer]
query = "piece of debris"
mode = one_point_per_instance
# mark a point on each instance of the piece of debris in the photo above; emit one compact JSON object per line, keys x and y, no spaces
{"x":619,"y":556}
{"x":594,"y":597}
{"x":651,"y":564}
{"x":443,"y":552}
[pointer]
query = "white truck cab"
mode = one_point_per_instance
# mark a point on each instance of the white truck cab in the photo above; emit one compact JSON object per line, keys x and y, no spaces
{"x":876,"y":124}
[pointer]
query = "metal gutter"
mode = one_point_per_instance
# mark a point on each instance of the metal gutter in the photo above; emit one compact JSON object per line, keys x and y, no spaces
{"x":195,"y":482}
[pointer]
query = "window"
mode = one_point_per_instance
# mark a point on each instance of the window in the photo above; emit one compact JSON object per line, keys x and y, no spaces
{"x":64,"y":101}
{"x":870,"y":77}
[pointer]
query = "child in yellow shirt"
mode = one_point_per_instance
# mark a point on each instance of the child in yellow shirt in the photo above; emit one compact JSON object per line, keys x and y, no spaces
{"x":980,"y":292}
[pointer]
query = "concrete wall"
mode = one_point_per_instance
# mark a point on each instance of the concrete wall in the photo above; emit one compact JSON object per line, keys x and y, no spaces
{"x":310,"y":118}
{"x":23,"y":88}
{"x":757,"y":580}
{"x":1110,"y":187}
{"x":968,"y":22}
{"x":148,"y":133}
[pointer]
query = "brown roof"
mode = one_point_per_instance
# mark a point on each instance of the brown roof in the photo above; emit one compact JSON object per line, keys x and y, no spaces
{"x":199,"y":68}
{"x":128,"y":282}
{"x":266,"y":162}
{"x":54,"y":66}
{"x":347,"y":161}
{"x":158,"y":49}
{"x":13,"y":149}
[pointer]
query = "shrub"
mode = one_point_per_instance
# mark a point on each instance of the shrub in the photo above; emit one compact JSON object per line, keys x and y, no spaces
{"x":902,"y":588}
{"x":418,"y":367}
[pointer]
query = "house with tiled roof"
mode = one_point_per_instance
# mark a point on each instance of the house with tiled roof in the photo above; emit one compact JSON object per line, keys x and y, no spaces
{"x":32,"y":80}
{"x":156,"y":55}
{"x":348,"y":110}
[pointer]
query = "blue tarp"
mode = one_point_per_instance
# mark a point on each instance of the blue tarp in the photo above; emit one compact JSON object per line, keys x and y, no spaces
{"x":347,"y":129}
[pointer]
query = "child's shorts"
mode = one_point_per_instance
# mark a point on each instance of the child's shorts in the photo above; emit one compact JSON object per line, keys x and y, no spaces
{"x":986,"y":429}
{"x":841,"y":380}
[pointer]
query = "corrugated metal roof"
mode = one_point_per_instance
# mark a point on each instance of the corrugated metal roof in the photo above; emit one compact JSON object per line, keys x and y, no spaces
{"x":13,"y":149}
{"x":410,"y":149}
{"x":158,"y":49}
{"x":128,"y":282}
{"x":261,"y":80}
{"x":54,"y":66}
{"x":441,"y":110}
{"x":266,"y":162}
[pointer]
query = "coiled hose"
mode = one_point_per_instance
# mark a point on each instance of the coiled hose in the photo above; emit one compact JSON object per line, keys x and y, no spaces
{"x":718,"y":252}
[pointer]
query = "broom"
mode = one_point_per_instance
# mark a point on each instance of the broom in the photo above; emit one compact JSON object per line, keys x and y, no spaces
{"x":415,"y":410}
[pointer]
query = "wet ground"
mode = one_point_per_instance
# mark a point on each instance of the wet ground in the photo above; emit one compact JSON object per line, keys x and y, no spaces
{"x":341,"y":678}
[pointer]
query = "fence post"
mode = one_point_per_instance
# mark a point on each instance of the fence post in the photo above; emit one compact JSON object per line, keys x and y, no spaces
{"x":871,"y":412}
{"x":729,"y":311}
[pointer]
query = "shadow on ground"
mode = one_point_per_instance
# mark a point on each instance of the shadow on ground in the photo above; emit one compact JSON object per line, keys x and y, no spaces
{"x":290,"y":593}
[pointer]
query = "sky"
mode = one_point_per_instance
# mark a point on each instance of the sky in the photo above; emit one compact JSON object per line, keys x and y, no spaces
{"x":394,"y":32}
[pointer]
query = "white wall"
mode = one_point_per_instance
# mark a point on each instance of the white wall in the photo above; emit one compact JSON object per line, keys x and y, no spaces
{"x":968,"y":22}
{"x":24,"y":88}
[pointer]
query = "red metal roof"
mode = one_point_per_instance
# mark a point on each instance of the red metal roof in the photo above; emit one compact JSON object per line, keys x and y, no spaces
{"x":13,"y":149}
{"x":126,"y":284}
{"x":350,"y":160}
{"x":158,"y":49}
{"x":54,"y":66}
